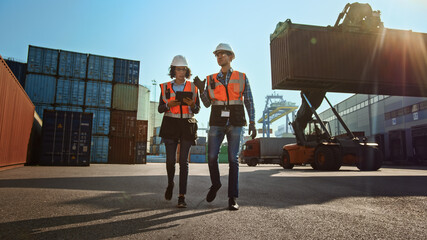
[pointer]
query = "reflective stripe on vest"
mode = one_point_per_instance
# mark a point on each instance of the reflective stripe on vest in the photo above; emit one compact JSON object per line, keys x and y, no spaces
{"x":235,"y":87}
{"x":176,"y":111}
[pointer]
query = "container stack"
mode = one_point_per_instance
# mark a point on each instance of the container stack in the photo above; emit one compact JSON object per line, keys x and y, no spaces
{"x":157,"y":147}
{"x":198,"y":152}
{"x":223,"y":154}
{"x":19,"y":69}
{"x":141,"y":141}
{"x":104,"y":86}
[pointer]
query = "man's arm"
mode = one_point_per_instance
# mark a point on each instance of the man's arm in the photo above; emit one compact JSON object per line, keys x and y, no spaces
{"x":249,"y":101}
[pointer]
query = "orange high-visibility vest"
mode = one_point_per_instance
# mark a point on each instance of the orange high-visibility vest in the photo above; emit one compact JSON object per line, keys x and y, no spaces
{"x":235,"y":88}
{"x":175,"y":111}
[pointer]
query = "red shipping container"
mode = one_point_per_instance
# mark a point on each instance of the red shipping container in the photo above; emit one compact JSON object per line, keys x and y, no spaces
{"x":16,"y":118}
{"x":123,"y":123}
{"x":389,"y":62}
{"x":121,"y":150}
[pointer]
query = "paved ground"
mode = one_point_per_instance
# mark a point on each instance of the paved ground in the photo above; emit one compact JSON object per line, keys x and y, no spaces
{"x":126,"y":202}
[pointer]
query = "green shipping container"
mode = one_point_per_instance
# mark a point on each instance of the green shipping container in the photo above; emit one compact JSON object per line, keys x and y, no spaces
{"x":125,"y":97}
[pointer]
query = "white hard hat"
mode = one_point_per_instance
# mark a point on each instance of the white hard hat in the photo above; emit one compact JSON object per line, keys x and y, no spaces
{"x":179,"y":61}
{"x":224,"y":47}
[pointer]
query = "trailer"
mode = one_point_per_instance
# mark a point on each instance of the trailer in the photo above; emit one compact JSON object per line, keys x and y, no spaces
{"x":263,"y":150}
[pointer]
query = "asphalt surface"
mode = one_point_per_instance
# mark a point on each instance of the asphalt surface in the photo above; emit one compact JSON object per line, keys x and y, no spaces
{"x":127,"y":202}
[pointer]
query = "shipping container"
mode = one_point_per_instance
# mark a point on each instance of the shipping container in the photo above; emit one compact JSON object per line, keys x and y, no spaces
{"x":143,"y":103}
{"x":16,"y":119}
{"x":126,"y":71}
{"x":34,"y":143}
{"x":70,"y":91}
{"x":99,"y":150}
{"x":198,"y":150}
{"x":197,"y":158}
{"x":125,"y":97}
{"x":41,"y":88}
{"x":201,"y":141}
{"x":66,"y":138}
{"x":41,"y":107}
{"x":100,"y":68}
{"x":388,"y":62}
{"x":98,"y":94}
{"x":121,"y":150}
{"x":42,"y":60}
{"x":123,"y":124}
{"x":141,"y":131}
{"x":101,"y":120}
{"x":72,"y":64}
{"x":141,"y":153}
{"x":69,"y":108}
{"x":156,"y":140}
{"x":19,"y":69}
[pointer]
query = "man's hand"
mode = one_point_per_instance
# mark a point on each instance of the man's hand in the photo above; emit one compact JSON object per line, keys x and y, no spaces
{"x":252,"y":130}
{"x":199,"y":84}
{"x":173,"y":103}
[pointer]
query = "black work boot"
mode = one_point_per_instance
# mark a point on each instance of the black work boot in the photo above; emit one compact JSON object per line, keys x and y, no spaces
{"x":169,"y":191}
{"x":232,"y":204}
{"x":181,"y":202}
{"x":212,"y":193}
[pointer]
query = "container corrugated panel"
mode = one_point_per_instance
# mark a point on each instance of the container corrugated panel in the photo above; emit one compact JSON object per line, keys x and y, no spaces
{"x":42,"y":60}
{"x":66,"y":138}
{"x":41,"y":88}
{"x":197,"y":158}
{"x":313,"y":57}
{"x":198,"y":150}
{"x":99,"y":150}
{"x":123,"y":124}
{"x":69,"y":108}
{"x":143,"y":103}
{"x":121,"y":150}
{"x":101,"y":120}
{"x":16,"y":118}
{"x":156,"y":140}
{"x":141,"y":131}
{"x":70,"y":91}
{"x":141,"y":153}
{"x":72,"y":64}
{"x":125,"y":97}
{"x":19,"y":70}
{"x":98,"y":94}
{"x":126,"y":71}
{"x":100,"y":68}
{"x":201,"y":141}
{"x":41,"y":107}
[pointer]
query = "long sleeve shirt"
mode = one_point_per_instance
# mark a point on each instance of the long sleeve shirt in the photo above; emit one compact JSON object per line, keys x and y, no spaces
{"x":163,"y":107}
{"x":247,"y":95}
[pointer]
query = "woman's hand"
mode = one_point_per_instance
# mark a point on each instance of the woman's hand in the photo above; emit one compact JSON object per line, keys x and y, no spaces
{"x":189,"y":102}
{"x":173,"y":103}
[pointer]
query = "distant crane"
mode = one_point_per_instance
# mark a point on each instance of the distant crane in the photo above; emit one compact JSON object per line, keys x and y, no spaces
{"x":274,"y":110}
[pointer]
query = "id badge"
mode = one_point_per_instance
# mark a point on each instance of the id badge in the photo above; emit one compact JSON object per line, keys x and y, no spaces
{"x":225,"y":113}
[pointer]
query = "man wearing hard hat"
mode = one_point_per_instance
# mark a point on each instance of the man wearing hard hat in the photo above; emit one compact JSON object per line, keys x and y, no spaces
{"x":227,"y":91}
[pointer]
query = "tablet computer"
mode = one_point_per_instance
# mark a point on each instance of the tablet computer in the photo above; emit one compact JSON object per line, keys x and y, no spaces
{"x":181,"y":95}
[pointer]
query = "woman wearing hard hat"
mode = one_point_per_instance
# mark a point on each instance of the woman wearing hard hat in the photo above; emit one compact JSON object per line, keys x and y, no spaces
{"x":178,"y":125}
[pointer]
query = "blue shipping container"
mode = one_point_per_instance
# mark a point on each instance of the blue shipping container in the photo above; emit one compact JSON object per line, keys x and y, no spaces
{"x":70,"y":91}
{"x":72,"y":64}
{"x":196,"y":158}
{"x":98,"y":94}
{"x":42,"y":60}
{"x":41,"y":107}
{"x":141,"y":153}
{"x":19,"y":70}
{"x":126,"y":71}
{"x":99,"y":151}
{"x":66,"y":138}
{"x":41,"y":88}
{"x":101,"y":120}
{"x":100,"y":68}
{"x":69,"y":108}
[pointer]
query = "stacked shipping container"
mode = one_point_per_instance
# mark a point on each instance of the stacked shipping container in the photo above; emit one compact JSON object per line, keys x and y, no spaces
{"x":78,"y":82}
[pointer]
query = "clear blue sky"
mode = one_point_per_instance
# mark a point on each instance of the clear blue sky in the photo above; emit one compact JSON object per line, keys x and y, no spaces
{"x":153,"y":31}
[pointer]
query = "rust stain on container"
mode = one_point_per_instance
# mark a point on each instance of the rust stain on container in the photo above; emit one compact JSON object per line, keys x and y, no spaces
{"x":16,"y":118}
{"x":390,"y":62}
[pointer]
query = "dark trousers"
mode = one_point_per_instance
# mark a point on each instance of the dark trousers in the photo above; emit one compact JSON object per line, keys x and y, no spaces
{"x":171,"y":147}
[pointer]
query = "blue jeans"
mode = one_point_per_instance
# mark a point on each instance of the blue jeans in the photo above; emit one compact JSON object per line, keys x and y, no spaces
{"x":171,"y":146}
{"x":215,"y":138}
